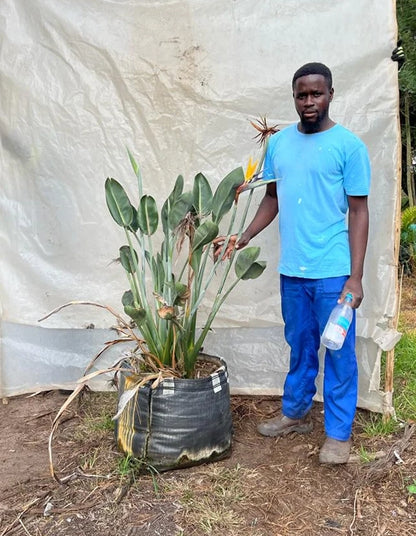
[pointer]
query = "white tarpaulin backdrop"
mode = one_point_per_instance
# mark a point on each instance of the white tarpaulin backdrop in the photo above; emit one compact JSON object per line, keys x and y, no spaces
{"x":177,"y":82}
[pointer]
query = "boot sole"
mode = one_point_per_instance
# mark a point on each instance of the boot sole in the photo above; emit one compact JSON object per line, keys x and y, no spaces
{"x":297,"y":428}
{"x":338,"y":461}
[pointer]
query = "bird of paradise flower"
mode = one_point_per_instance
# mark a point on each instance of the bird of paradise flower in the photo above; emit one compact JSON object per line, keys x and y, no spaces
{"x":253,"y":173}
{"x":225,"y":246}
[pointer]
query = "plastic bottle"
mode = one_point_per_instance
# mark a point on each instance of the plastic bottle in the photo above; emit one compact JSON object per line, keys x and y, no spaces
{"x":338,"y":324}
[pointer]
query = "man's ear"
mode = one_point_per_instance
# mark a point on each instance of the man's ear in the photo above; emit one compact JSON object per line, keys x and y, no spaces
{"x":331,"y":94}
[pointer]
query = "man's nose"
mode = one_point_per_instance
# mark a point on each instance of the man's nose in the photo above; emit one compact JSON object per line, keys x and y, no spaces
{"x":309,"y":100}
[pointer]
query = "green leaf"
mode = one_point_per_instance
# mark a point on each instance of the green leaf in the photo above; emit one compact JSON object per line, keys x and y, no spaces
{"x":137,"y":172}
{"x":196,"y":260}
{"x":147,"y":215}
{"x":204,"y":234}
{"x":225,"y":194}
{"x":167,"y":206}
{"x":255,"y":270}
{"x":133,"y":163}
{"x":158,"y":272}
{"x":118,"y":203}
{"x":138,"y":315}
{"x":134,"y":226}
{"x":202,"y":195}
{"x":128,"y":262}
{"x":180,"y":209}
{"x":245,"y":260}
{"x":127,"y":298}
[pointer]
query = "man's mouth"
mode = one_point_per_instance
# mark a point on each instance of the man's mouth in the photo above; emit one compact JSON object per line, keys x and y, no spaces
{"x":310,"y":114}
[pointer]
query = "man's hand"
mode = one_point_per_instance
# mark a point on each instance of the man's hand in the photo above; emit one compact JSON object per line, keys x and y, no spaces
{"x":398,"y":54}
{"x":219,"y":242}
{"x":354,"y":287}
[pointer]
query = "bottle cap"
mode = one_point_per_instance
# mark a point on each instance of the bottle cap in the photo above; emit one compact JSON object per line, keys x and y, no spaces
{"x":349,"y":297}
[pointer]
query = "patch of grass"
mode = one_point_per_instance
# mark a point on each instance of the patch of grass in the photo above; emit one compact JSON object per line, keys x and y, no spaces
{"x":365,"y":455}
{"x":97,"y":411}
{"x":130,"y":466}
{"x":405,"y":377}
{"x":212,"y":500}
{"x":373,"y":424}
{"x":103,"y":422}
{"x":89,"y":460}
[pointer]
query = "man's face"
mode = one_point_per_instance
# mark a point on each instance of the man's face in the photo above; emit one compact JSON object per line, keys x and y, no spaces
{"x":312,"y":97}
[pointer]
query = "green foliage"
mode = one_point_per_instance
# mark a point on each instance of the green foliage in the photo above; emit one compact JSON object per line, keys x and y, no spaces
{"x":407,"y":253}
{"x":365,"y":455}
{"x":374,"y":425}
{"x":406,"y":18}
{"x":405,"y":377}
{"x":169,"y":274}
{"x":131,"y":467}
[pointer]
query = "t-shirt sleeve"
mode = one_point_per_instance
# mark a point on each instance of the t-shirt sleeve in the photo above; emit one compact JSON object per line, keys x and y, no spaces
{"x":357,"y":171}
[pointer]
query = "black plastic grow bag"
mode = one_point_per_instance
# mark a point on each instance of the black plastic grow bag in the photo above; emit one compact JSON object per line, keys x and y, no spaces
{"x":181,"y":422}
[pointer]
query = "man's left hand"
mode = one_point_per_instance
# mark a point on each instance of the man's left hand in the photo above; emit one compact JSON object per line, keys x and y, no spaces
{"x":354,"y":287}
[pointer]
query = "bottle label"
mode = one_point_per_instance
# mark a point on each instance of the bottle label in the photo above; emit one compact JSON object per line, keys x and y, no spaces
{"x":343,"y":323}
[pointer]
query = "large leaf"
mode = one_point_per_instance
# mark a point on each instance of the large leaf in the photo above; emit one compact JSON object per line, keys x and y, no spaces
{"x":134,"y":226}
{"x":118,"y":203}
{"x":147,"y":215}
{"x":255,"y":270}
{"x":245,"y":260}
{"x":225,"y":193}
{"x":180,"y":209}
{"x":128,"y":261}
{"x":204,"y":234}
{"x":202,"y":195}
{"x":174,"y":195}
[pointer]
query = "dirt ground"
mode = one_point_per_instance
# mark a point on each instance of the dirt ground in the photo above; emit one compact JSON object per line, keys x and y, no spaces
{"x":267,"y":487}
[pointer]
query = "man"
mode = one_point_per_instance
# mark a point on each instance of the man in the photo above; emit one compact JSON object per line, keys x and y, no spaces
{"x":322,"y":171}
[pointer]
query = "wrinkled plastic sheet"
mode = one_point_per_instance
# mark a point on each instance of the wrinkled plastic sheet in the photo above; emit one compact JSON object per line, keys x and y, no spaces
{"x":176,"y":82}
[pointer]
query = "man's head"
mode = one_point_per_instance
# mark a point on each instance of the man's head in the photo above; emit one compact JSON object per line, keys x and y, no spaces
{"x":313,"y":92}
{"x":313,"y":68}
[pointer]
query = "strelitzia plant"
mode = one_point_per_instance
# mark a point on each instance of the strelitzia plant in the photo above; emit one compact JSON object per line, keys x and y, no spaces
{"x":168,"y":283}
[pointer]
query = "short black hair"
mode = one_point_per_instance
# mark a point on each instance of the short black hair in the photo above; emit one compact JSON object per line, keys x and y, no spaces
{"x":313,"y":68}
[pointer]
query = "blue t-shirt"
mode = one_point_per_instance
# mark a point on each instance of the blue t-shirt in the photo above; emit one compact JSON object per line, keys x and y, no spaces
{"x":315,"y":173}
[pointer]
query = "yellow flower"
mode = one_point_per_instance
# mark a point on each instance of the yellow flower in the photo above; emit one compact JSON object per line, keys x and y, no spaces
{"x":251,"y":169}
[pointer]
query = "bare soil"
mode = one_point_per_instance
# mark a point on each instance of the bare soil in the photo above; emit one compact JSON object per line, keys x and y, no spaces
{"x":267,"y":487}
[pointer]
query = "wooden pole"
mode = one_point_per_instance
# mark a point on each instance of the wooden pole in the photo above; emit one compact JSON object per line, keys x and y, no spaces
{"x":388,"y":407}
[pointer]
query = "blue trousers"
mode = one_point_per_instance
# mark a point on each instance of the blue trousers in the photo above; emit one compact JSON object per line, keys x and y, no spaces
{"x":306,"y":306}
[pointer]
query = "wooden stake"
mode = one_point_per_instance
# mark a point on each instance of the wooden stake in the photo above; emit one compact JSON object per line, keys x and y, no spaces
{"x":388,"y":408}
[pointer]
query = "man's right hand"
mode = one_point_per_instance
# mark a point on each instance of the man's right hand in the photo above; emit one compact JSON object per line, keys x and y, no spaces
{"x":218,"y":244}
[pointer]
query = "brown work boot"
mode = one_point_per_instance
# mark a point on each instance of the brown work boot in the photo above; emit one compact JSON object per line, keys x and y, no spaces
{"x":281,"y":426}
{"x":334,"y":451}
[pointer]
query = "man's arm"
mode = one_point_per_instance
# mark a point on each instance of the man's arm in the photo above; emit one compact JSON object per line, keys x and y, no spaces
{"x":265,"y":214}
{"x":358,"y":234}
